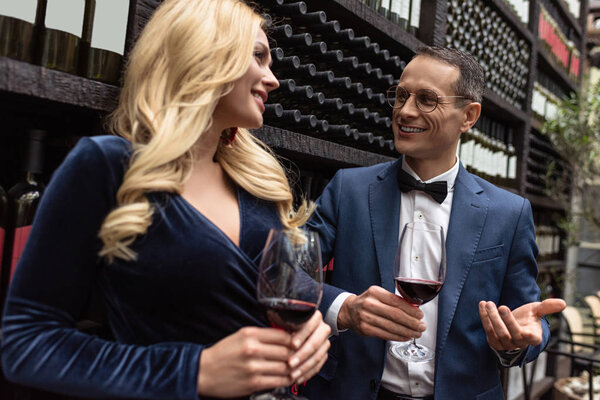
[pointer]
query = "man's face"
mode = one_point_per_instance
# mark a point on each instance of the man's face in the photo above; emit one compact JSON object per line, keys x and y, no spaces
{"x":434,"y":135}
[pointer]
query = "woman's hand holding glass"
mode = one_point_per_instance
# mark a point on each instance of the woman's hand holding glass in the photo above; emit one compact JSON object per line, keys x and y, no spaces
{"x":255,"y":359}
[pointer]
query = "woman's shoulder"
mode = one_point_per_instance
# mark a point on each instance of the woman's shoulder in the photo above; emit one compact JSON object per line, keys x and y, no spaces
{"x":97,"y":155}
{"x":109,"y":146}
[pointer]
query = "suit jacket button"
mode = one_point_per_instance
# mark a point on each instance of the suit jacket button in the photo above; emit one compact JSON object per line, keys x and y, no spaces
{"x":373,"y":385}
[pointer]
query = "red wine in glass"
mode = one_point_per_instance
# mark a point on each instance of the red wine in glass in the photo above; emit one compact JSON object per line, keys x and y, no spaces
{"x":290,"y":285}
{"x":418,"y":291}
{"x":419,"y":272}
{"x":288,"y":314}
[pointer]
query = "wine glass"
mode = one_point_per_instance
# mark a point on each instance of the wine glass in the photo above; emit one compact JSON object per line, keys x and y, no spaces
{"x":419,"y":272}
{"x":290,"y":285}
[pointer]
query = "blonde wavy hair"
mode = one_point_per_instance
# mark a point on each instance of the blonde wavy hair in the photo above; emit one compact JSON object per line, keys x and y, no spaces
{"x":187,"y":58}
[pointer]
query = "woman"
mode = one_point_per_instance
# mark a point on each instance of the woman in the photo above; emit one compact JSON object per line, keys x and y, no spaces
{"x":168,"y":220}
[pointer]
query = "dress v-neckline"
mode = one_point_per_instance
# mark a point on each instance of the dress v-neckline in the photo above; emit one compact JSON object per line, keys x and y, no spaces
{"x":215,"y":226}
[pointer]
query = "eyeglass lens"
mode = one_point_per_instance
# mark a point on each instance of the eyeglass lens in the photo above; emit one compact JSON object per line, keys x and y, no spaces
{"x":427,"y":100}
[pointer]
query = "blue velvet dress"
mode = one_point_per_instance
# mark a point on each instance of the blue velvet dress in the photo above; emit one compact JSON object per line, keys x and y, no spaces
{"x":190,"y":287}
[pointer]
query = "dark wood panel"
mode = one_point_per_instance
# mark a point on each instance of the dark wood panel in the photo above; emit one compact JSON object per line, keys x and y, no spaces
{"x":37,"y":82}
{"x":317,"y":150}
{"x":495,"y":106}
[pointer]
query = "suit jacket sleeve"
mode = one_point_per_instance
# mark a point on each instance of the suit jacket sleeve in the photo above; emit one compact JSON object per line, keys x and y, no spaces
{"x":520,"y":285}
{"x":324,"y":221}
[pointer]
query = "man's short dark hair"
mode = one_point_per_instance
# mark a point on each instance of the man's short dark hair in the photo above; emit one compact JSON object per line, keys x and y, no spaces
{"x":471,"y":79}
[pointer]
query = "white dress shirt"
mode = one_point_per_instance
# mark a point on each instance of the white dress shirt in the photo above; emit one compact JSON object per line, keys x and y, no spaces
{"x":416,"y":379}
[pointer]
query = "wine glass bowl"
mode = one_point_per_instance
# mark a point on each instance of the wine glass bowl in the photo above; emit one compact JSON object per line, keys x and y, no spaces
{"x":290,"y":285}
{"x":419,"y":273}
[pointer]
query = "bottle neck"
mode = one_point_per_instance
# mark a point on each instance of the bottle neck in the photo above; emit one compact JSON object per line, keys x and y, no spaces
{"x":31,"y":177}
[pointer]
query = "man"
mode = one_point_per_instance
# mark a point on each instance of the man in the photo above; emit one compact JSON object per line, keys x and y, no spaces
{"x":490,"y":249}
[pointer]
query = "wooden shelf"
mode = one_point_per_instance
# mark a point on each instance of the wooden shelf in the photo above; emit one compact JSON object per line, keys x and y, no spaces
{"x":536,"y":124}
{"x":37,"y":82}
{"x":366,"y":21}
{"x":495,"y":105}
{"x":543,"y":202}
{"x":552,"y":264}
{"x":547,"y":63}
{"x":318,"y":150}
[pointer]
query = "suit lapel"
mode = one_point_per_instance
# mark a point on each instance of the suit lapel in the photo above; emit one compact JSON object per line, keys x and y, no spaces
{"x":384,"y":208}
{"x":467,"y":219}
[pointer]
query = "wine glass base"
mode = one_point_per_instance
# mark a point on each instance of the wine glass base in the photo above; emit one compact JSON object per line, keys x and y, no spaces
{"x":412,"y":353}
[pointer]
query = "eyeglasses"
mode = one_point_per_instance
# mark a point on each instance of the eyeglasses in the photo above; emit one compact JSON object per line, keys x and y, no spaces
{"x":427,"y":100}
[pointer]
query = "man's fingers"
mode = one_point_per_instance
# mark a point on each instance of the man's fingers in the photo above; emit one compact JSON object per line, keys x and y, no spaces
{"x":487,"y":326}
{"x":498,"y":326}
{"x":515,"y":332}
{"x":550,"y":306}
{"x":384,"y":328}
{"x":394,"y":301}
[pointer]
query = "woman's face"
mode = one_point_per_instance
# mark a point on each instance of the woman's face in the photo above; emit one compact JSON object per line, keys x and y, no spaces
{"x":244,"y":105}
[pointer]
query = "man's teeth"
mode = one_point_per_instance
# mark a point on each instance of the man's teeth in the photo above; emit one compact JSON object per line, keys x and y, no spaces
{"x":258,"y":96}
{"x":411,"y":130}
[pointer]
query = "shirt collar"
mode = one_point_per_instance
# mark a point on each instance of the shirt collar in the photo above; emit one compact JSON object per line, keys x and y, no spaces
{"x":448,"y":176}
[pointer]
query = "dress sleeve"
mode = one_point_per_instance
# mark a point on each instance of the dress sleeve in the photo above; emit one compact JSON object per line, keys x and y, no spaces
{"x":41,"y":346}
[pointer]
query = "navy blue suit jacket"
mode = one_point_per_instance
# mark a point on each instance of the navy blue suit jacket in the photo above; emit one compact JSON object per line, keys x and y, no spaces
{"x":491,"y":255}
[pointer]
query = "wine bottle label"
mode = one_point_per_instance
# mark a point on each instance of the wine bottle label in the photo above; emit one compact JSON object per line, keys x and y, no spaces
{"x":396,"y":5}
{"x":21,"y":235}
{"x":65,"y":15}
{"x":512,"y":167}
{"x":110,"y":25}
{"x":405,"y":9}
{"x":20,"y":9}
{"x":415,"y":13}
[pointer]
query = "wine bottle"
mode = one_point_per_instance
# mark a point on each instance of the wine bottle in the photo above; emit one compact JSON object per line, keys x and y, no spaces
{"x":17,"y":29}
{"x":3,"y":227}
{"x":103,"y":56}
{"x":273,"y":110}
{"x":384,"y":8}
{"x":512,"y":159}
{"x":415,"y":17}
{"x":394,"y":13}
{"x":339,"y":131}
{"x":61,"y":33}
{"x":404,"y":14}
{"x":23,"y":198}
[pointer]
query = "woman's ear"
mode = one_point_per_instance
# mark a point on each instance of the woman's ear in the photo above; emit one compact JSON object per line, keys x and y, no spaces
{"x":472,"y":111}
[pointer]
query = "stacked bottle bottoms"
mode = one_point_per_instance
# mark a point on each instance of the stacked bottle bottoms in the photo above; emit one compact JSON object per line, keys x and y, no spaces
{"x":473,"y":26}
{"x":332,"y":82}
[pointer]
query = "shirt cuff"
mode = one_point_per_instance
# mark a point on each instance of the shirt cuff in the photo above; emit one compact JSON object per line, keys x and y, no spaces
{"x":508,"y":358}
{"x":332,"y":313}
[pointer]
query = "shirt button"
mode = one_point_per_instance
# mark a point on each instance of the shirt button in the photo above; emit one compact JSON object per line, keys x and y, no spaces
{"x":420,"y":215}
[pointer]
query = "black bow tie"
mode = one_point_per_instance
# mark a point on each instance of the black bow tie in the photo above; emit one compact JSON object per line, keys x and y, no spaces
{"x":437,"y":190}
